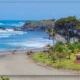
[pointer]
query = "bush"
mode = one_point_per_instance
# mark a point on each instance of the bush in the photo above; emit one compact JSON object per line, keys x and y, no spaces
{"x":30,"y":52}
{"x":2,"y":78}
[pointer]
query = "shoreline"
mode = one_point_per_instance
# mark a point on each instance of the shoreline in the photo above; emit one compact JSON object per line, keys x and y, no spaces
{"x":22,"y":51}
{"x":24,"y":65}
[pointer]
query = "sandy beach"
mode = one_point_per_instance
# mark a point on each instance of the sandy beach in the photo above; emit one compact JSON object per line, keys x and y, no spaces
{"x":20,"y":64}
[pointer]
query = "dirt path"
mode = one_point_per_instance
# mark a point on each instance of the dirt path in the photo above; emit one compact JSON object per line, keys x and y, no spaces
{"x":20,"y":64}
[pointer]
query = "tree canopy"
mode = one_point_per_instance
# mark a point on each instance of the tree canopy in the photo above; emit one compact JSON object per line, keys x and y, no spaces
{"x":70,"y":22}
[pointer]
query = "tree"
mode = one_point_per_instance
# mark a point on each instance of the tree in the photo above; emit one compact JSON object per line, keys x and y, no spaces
{"x":69,"y":53}
{"x":53,"y":35}
{"x":60,"y":51}
{"x":52,"y":54}
{"x":49,"y":32}
{"x":77,"y":47}
{"x":71,"y":47}
{"x":66,"y":26}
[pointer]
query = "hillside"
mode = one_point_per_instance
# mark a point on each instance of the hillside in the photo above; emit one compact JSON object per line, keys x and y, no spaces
{"x":38,"y":25}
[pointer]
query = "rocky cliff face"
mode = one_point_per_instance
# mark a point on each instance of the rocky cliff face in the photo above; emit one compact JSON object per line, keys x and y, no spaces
{"x":38,"y":25}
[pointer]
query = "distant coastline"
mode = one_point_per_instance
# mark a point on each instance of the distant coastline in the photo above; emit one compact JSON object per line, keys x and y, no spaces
{"x":27,"y":25}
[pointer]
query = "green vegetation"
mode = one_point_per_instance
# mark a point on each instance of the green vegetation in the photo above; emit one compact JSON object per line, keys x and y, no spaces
{"x":68,"y":27}
{"x":38,"y":25}
{"x":2,"y":78}
{"x":60,"y":56}
{"x":51,"y":32}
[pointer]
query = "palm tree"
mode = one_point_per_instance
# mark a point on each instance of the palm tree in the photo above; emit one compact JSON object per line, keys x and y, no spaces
{"x":69,"y":53}
{"x":69,"y":50}
{"x":71,"y":47}
{"x":53,"y":35}
{"x":52,"y":54}
{"x":60,"y":51}
{"x":49,"y":32}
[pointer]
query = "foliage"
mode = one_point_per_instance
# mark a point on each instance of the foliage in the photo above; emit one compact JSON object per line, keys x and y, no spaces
{"x":41,"y":25}
{"x":65,"y":23}
{"x":65,"y":64}
{"x":51,"y":32}
{"x":61,"y":55}
{"x":2,"y":78}
{"x":68,"y":27}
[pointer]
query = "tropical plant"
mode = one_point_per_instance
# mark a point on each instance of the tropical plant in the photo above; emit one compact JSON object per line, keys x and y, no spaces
{"x":49,"y":32}
{"x":76,"y":51}
{"x":52,"y":54}
{"x":60,"y":51}
{"x":53,"y":35}
{"x":69,"y":53}
{"x":71,"y":47}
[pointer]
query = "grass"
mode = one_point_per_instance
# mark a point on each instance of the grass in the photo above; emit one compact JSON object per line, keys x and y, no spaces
{"x":65,"y":63}
{"x":2,"y":78}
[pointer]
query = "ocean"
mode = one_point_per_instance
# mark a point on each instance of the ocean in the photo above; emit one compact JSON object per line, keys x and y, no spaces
{"x":11,"y":40}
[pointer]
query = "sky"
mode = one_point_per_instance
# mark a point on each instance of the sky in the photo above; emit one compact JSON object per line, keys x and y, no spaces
{"x":38,"y":9}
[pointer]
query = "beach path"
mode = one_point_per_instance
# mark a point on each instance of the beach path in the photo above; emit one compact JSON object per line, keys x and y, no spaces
{"x":21,"y":64}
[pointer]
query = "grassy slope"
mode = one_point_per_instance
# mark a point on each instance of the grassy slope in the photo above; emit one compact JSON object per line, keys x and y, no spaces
{"x":66,"y":63}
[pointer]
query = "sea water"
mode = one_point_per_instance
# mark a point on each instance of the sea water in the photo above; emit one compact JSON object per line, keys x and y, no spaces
{"x":10,"y":40}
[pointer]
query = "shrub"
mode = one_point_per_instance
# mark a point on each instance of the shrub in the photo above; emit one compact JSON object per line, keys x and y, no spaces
{"x":29,"y":52}
{"x":2,"y":78}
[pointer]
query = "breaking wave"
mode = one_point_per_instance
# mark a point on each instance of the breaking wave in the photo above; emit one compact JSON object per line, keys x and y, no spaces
{"x":10,"y":33}
{"x":12,"y":24}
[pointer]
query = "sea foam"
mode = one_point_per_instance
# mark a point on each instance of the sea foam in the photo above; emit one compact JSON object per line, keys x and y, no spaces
{"x":5,"y":33}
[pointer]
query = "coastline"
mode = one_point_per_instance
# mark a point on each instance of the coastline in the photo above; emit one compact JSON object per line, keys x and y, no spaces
{"x":22,"y":51}
{"x":57,"y":37}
